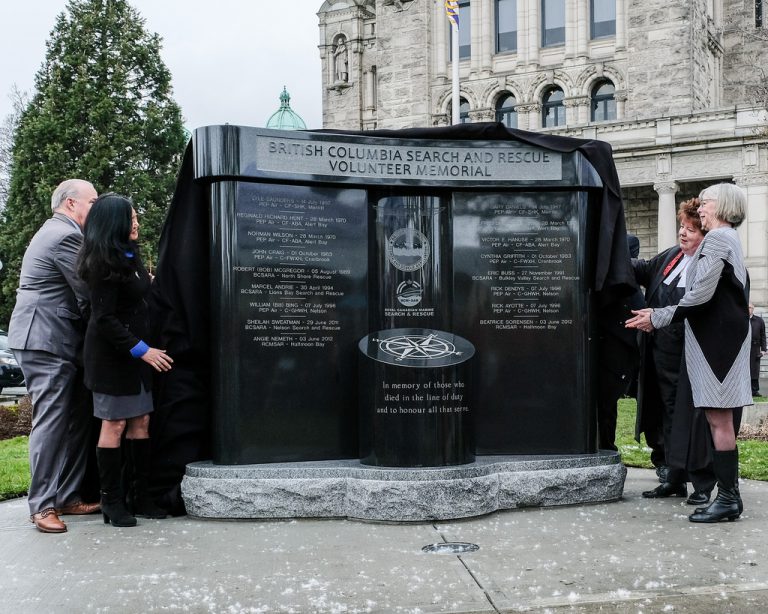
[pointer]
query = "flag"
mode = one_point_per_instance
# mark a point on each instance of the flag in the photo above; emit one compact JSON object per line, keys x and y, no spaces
{"x":452,"y":11}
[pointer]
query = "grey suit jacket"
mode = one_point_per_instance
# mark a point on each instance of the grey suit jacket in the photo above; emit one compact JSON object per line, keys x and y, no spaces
{"x":51,"y":301}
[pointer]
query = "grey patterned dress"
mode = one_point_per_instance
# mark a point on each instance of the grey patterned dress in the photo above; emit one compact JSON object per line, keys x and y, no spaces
{"x":717,"y":333}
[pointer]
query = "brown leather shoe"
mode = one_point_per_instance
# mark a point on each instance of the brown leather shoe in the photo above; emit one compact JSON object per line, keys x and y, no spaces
{"x":80,"y":508}
{"x":47,"y":521}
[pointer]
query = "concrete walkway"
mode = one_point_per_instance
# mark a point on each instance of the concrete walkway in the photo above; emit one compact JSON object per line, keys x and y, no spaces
{"x":635,"y":555}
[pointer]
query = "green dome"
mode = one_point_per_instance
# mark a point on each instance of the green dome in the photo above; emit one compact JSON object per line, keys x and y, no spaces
{"x":285,"y":118}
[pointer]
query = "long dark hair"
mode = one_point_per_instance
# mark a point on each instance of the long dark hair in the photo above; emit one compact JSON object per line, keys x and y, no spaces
{"x":106,"y":240}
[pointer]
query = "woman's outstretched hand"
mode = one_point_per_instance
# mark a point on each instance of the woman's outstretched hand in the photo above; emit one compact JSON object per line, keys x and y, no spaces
{"x":158,"y":359}
{"x":641,"y":321}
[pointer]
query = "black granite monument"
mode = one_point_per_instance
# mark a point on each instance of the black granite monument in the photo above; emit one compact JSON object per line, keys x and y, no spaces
{"x":323,"y":243}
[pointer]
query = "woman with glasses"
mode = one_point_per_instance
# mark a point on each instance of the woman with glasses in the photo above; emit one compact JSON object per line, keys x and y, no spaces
{"x":717,"y":337}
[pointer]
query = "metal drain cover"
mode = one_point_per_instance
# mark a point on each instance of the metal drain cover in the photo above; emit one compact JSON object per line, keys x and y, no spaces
{"x":451,"y":548}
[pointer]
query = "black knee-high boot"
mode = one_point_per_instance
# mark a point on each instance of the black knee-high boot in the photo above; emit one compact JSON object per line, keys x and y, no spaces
{"x":139,"y":466}
{"x":112,"y":503}
{"x":739,"y":502}
{"x":727,"y":505}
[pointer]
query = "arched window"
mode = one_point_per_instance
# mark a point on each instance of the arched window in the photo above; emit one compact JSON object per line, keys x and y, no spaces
{"x":463,"y":111}
{"x":506,"y":25}
{"x":553,"y":109}
{"x":603,"y":102}
{"x":505,"y":111}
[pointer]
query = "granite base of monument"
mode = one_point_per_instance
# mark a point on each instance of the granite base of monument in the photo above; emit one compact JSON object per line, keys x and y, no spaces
{"x":349,"y":489}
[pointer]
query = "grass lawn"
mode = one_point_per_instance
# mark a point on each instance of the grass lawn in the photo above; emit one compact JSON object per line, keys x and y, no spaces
{"x":14,"y":468}
{"x":753,"y":454}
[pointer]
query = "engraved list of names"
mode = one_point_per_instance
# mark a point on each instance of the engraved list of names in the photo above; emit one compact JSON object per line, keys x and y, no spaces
{"x":300,"y":264}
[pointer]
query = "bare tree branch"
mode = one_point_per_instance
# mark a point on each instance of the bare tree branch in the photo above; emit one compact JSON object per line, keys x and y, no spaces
{"x":10,"y":122}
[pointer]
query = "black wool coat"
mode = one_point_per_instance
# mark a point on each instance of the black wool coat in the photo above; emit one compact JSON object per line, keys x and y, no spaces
{"x":119,"y":320}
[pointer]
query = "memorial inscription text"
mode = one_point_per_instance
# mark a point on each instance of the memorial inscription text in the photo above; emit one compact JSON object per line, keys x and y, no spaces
{"x":296,"y":270}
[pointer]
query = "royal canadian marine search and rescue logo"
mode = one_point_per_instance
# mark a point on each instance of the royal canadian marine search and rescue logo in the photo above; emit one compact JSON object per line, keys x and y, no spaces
{"x":408,"y":249}
{"x":417,"y":347}
{"x":409,"y":293}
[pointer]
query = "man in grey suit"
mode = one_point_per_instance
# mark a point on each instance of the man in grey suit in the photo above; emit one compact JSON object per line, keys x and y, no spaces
{"x":46,"y":333}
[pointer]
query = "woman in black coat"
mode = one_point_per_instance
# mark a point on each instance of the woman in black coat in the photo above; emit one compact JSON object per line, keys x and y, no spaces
{"x":118,"y":361}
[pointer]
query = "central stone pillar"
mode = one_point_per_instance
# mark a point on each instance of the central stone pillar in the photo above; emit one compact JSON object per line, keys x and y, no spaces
{"x":414,"y":399}
{"x":667,"y":233}
{"x":410,"y":262}
{"x":414,"y":376}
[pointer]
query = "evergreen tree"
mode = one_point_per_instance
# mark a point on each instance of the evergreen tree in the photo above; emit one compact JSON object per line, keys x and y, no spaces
{"x":103,"y":112}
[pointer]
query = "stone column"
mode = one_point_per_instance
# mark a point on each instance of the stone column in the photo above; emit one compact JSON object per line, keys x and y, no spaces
{"x":330,"y":76}
{"x":369,"y":100}
{"x":534,"y":115}
{"x":620,"y":96}
{"x":489,"y":39}
{"x":522,"y":116}
{"x":522,"y":119}
{"x":667,"y":223}
{"x":522,"y":34}
{"x":571,"y":111}
{"x":442,"y":42}
{"x":580,"y":109}
{"x":326,"y":71}
{"x":754,"y":231}
{"x":476,"y":37}
{"x":621,"y":25}
{"x":534,"y":33}
{"x":571,"y":29}
{"x":582,"y":28}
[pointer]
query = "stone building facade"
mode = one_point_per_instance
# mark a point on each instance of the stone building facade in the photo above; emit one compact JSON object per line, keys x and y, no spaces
{"x":676,"y":86}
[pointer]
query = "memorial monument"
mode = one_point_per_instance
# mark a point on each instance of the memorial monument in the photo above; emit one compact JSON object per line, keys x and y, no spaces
{"x":402,"y":324}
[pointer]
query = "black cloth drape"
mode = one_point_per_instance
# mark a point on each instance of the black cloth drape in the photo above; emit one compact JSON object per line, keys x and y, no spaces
{"x":179,"y":306}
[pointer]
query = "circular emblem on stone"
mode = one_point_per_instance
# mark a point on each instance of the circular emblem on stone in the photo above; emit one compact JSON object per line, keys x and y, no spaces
{"x":407,"y":249}
{"x":409,"y":293}
{"x":417,"y":347}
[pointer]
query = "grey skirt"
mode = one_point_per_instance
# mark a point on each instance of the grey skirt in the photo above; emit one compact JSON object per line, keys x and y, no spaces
{"x":111,"y":407}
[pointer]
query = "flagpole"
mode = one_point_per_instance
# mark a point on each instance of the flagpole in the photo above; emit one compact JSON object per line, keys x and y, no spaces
{"x":452,"y":12}
{"x":455,"y":72}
